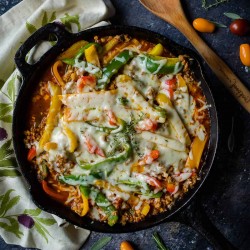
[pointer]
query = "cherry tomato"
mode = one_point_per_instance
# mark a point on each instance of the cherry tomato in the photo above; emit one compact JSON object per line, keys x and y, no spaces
{"x":125,"y":245}
{"x":203,"y":25}
{"x":245,"y":54}
{"x":240,"y":27}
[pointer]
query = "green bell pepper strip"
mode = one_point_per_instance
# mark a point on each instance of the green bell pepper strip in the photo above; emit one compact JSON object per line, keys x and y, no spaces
{"x":107,"y":165}
{"x":101,"y":128}
{"x":71,"y":61}
{"x":111,"y":212}
{"x":85,"y":190}
{"x":152,"y":195}
{"x":83,"y":180}
{"x":112,"y":68}
{"x":161,"y":65}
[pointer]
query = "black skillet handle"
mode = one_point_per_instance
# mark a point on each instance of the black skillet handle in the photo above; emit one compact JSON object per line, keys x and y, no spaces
{"x":195,"y":216}
{"x":40,"y":35}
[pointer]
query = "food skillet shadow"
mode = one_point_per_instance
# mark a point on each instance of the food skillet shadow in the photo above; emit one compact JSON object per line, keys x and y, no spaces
{"x":192,"y":215}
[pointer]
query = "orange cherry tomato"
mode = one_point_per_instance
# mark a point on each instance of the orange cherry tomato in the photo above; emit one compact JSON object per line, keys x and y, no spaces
{"x":203,"y":25}
{"x":125,"y":245}
{"x":245,"y":54}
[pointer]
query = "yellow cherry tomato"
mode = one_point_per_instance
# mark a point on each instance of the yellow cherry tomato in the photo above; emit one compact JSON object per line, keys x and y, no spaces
{"x":203,"y":25}
{"x":126,"y":246}
{"x":245,"y":54}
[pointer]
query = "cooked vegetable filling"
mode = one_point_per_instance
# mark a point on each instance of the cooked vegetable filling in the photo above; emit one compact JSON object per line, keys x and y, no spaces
{"x":117,"y":129}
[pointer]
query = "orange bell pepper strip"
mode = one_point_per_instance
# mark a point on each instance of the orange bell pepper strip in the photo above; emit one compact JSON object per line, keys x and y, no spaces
{"x":56,"y":74}
{"x":31,"y":154}
{"x":52,"y":193}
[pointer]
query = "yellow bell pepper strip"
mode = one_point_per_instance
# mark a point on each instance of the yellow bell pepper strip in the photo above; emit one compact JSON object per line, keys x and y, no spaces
{"x":161,"y":65}
{"x":50,"y":145}
{"x":106,"y":185}
{"x":54,"y":109}
{"x":174,"y":120}
{"x":112,"y":68}
{"x":73,"y":143}
{"x":80,"y":53}
{"x":56,"y":74}
{"x":111,"y":44}
{"x":85,"y":205}
{"x":92,"y":56}
{"x":85,"y":195}
{"x":157,"y":50}
{"x":51,"y":192}
{"x":72,"y":50}
{"x":145,"y":209}
{"x":197,"y":148}
{"x":181,"y":82}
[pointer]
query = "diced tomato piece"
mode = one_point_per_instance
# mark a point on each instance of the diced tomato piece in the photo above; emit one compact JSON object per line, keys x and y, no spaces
{"x":148,"y":159}
{"x":112,"y":118}
{"x":92,"y":146}
{"x":86,"y":80}
{"x":153,"y":182}
{"x":171,"y":86}
{"x":170,"y":187}
{"x":31,"y":154}
{"x":147,"y":125}
{"x":155,"y":154}
{"x":99,"y":151}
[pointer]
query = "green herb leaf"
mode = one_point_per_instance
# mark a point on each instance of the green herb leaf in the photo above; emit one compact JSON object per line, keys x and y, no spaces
{"x":207,"y":6}
{"x":45,"y":221}
{"x":53,"y":17}
{"x":32,"y":212}
{"x":1,"y":83}
{"x":30,"y":27}
{"x":67,"y":20}
{"x":6,"y":118}
{"x":5,"y":150}
{"x":219,"y":25}
{"x":5,"y":202}
{"x":13,"y":228}
{"x":12,"y":202}
{"x":10,"y":162}
{"x":11,"y":89}
{"x":232,"y":15}
{"x":45,"y":18}
{"x":9,"y":173}
{"x":40,"y":229}
{"x":5,"y":108}
{"x":101,"y":243}
{"x":159,"y":242}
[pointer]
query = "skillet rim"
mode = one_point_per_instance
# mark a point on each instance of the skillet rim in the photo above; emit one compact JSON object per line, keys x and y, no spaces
{"x":63,"y":43}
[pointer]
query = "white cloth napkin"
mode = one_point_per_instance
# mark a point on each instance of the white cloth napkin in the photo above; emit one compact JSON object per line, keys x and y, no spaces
{"x":21,"y":222}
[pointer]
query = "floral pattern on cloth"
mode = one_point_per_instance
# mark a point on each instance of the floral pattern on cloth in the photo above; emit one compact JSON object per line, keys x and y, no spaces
{"x":21,"y":222}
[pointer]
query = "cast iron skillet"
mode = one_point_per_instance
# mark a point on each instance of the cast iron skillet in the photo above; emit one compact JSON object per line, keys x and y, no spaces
{"x":30,"y":75}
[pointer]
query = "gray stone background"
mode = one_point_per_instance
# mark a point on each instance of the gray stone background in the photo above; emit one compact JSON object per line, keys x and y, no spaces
{"x":225,"y":194}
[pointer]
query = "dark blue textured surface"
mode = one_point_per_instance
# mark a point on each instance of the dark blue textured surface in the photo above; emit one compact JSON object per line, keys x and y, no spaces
{"x":225,"y":195}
